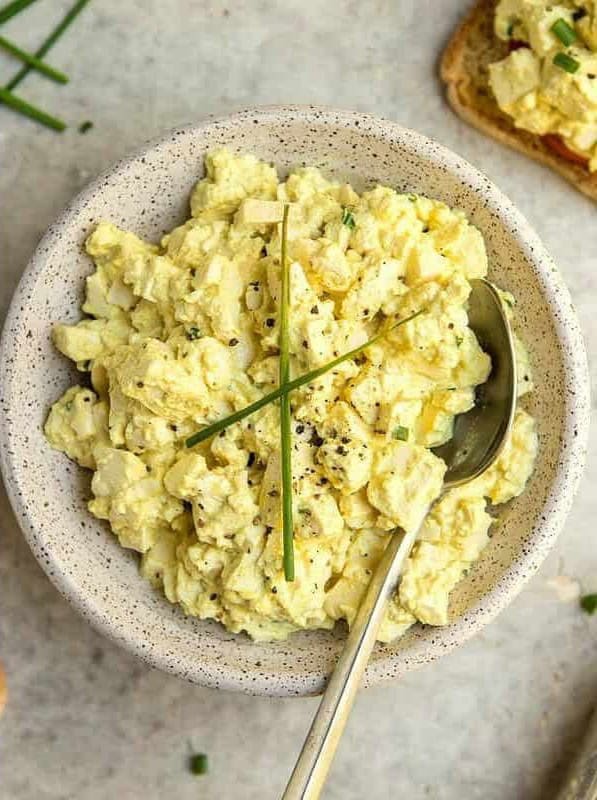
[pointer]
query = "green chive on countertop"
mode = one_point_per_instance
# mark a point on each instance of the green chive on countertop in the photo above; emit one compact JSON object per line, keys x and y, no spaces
{"x":12,"y":9}
{"x":588,"y":603}
{"x":198,"y":764}
{"x":34,"y":61}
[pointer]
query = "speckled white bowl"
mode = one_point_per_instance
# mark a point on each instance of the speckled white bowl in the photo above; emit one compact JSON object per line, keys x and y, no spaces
{"x":148,"y":193}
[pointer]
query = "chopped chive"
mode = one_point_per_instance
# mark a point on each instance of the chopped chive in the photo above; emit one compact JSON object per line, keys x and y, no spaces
{"x":198,"y":764}
{"x":285,"y":421}
{"x":566,"y":62}
{"x":510,"y":28}
{"x":193,"y":333}
{"x":295,"y":383}
{"x":588,"y":603}
{"x":48,"y":43}
{"x":33,"y":61}
{"x":401,"y":433}
{"x":85,"y":126}
{"x":348,"y":218}
{"x":459,"y":340}
{"x":565,"y":32}
{"x":9,"y":10}
{"x":17,"y":104}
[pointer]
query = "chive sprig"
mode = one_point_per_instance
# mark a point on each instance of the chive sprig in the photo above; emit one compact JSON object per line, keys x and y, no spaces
{"x":11,"y":9}
{"x":33,"y":112}
{"x":565,"y":32}
{"x":566,"y":62}
{"x":33,"y":61}
{"x":49,"y":42}
{"x":285,"y":416}
{"x":7,"y":95}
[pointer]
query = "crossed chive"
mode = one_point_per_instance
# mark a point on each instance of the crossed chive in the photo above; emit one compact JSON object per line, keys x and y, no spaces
{"x":34,"y":61}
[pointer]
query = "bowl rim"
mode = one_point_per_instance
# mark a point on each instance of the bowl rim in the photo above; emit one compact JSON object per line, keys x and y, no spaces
{"x":574,"y":436}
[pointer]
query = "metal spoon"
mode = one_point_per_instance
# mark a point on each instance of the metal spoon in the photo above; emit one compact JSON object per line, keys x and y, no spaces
{"x":581,"y":781}
{"x":478,"y":439}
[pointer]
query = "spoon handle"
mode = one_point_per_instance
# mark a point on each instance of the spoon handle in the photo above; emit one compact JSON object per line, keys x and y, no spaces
{"x":581,"y":783}
{"x":310,"y":772}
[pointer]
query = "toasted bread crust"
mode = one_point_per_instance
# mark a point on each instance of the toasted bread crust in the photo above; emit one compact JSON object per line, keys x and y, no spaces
{"x":464,"y":70}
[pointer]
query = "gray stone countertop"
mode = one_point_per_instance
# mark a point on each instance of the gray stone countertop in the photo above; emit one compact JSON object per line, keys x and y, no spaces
{"x":496,"y":719}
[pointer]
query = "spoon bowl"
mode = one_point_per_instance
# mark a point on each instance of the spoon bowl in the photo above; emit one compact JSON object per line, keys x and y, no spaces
{"x":480,"y":434}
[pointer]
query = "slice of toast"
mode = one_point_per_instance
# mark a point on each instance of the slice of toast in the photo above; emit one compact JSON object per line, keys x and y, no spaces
{"x":464,"y":70}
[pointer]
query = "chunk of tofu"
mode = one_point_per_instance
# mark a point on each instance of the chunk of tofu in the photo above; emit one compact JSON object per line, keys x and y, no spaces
{"x":406,"y":478}
{"x":77,"y":424}
{"x":452,"y":538}
{"x":435,"y":424}
{"x":539,"y":19}
{"x":425,"y":263}
{"x":346,"y":454}
{"x":379,"y":279}
{"x":131,"y":499}
{"x":508,"y":477}
{"x":231,"y":179}
{"x":463,"y":245}
{"x":357,"y":511}
{"x":333,"y":268}
{"x":91,"y":338}
{"x":183,"y":479}
{"x":150,"y":277}
{"x":317,"y":514}
{"x":259,"y":212}
{"x":159,"y":564}
{"x":151,"y":373}
{"x":116,"y":470}
{"x":573,"y":95}
{"x":223,"y":505}
{"x":514,"y":76}
{"x":145,"y":430}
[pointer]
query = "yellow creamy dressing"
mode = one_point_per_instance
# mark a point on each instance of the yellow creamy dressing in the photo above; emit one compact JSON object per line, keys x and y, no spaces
{"x":182,"y":334}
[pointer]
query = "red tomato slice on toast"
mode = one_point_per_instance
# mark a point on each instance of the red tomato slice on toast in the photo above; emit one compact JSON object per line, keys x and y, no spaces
{"x":555,"y":143}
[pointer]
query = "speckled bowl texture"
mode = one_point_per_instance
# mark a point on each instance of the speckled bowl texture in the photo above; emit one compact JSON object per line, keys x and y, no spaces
{"x":148,"y":193}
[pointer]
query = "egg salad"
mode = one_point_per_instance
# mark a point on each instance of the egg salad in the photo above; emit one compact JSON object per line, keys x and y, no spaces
{"x":548,"y":83}
{"x":181,"y":334}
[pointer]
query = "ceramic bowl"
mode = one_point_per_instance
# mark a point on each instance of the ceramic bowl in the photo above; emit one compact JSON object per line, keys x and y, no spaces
{"x":148,"y":193}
